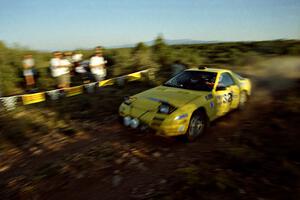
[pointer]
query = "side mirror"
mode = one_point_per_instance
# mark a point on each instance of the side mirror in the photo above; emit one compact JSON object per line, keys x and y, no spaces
{"x":220,"y":88}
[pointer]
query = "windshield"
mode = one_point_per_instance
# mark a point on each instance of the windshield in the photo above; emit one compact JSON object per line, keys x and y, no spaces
{"x":193,"y":80}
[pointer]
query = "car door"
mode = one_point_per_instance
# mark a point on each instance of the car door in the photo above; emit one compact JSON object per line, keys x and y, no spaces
{"x":234,"y":90}
{"x":225,"y":94}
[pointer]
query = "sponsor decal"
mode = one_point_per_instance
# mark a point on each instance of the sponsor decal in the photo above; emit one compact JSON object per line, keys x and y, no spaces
{"x":134,"y":76}
{"x":9,"y":102}
{"x":106,"y":82}
{"x":208,"y":97}
{"x":219,"y":99}
{"x":33,"y":98}
{"x":157,"y":100}
{"x":72,"y":91}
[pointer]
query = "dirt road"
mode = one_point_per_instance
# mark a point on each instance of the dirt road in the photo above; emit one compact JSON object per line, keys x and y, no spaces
{"x":246,"y":155}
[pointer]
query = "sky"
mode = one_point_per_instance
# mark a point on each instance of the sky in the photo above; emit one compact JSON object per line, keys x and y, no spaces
{"x":71,"y":24}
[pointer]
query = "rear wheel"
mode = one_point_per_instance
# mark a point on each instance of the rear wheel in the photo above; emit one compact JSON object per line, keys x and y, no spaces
{"x":243,"y":100}
{"x":197,"y":126}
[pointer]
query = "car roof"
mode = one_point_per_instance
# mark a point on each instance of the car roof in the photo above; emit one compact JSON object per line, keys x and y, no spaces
{"x":216,"y":70}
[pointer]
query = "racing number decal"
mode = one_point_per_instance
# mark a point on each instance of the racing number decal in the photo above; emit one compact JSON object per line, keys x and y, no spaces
{"x":227,"y":98}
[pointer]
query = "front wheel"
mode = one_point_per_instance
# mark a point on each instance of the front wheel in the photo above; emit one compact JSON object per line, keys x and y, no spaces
{"x":197,"y":126}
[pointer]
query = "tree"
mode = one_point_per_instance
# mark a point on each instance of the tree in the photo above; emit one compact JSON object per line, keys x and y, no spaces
{"x":162,"y":54}
{"x":159,"y":45}
{"x":142,"y":57}
{"x":140,"y":47}
{"x":122,"y":62}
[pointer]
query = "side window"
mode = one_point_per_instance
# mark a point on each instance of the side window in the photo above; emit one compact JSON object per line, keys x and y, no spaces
{"x":225,"y":80}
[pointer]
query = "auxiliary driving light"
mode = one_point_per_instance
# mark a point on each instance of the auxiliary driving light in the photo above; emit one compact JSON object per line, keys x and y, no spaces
{"x":127,"y":121}
{"x":134,"y":123}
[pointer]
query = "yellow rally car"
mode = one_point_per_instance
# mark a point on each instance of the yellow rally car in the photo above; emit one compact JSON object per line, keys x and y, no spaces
{"x":186,"y":103}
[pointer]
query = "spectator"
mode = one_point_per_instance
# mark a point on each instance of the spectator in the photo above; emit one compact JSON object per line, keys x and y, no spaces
{"x":76,"y":59}
{"x":80,"y":67}
{"x":65,"y":66}
{"x":68,"y":55}
{"x":98,"y":49}
{"x":55,"y":64}
{"x":97,"y":65}
{"x":60,"y":69}
{"x":28,"y":71}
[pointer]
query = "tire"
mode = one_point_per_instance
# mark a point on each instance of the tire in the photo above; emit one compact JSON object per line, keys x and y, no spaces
{"x":243,"y":100}
{"x":197,"y":126}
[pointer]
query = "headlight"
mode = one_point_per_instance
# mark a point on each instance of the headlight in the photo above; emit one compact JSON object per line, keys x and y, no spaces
{"x":181,"y":117}
{"x":165,"y":108}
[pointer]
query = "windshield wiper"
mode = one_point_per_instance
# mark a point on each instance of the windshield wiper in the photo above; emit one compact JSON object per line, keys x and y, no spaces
{"x":169,"y":85}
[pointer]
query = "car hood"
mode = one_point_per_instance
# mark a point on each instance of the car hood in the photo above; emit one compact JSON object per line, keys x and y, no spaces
{"x":174,"y":96}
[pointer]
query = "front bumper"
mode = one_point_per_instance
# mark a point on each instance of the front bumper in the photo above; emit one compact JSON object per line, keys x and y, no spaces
{"x":163,"y":124}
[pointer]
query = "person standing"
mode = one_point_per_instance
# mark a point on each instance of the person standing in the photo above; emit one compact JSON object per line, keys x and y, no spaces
{"x":69,"y":56}
{"x":60,"y":69}
{"x":28,"y":71}
{"x":65,"y":67}
{"x":76,"y":59}
{"x":79,"y":69}
{"x":54,"y":66}
{"x":97,"y":65}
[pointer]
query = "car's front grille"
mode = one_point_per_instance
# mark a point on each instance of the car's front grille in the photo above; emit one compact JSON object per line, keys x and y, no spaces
{"x":157,"y":121}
